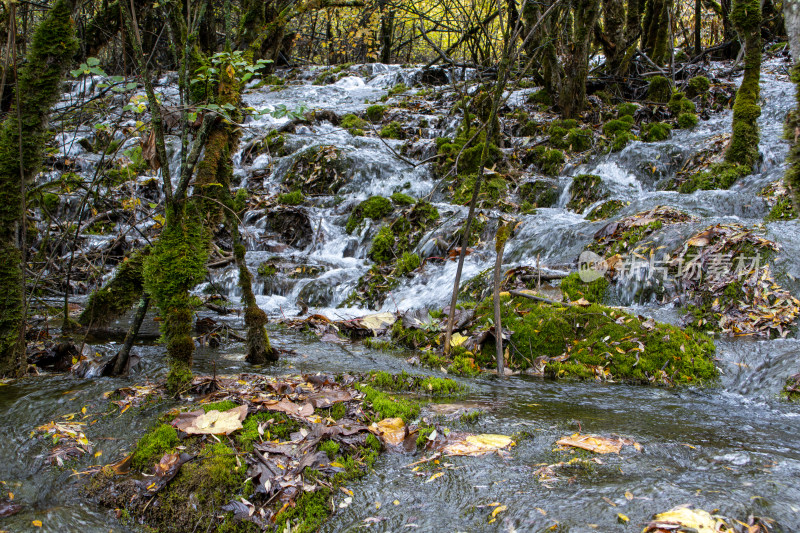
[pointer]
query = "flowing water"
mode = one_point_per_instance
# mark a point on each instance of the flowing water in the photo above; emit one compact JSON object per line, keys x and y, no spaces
{"x":732,"y":446}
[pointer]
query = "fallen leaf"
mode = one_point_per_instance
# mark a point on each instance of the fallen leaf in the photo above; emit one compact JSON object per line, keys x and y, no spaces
{"x":211,"y":423}
{"x":499,"y":510}
{"x":37,"y":523}
{"x":437,"y":475}
{"x":622,"y":519}
{"x":474,"y":445}
{"x":685,"y":517}
{"x":593,"y":443}
{"x":393,"y":430}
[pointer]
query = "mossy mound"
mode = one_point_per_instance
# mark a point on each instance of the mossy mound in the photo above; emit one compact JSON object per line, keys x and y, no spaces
{"x":375,"y":112}
{"x":697,"y":86}
{"x":293,"y":198}
{"x":655,"y":132}
{"x":277,"y":470}
{"x":393,"y":130}
{"x":659,"y":89}
{"x":779,"y":199}
{"x":629,"y":234}
{"x":374,"y":207}
{"x":539,"y":193}
{"x":353,"y":124}
{"x":493,"y":192}
{"x":319,"y":170}
{"x":566,"y":135}
{"x":541,"y":98}
{"x":718,"y":176}
{"x":574,"y":288}
{"x":469,"y":157}
{"x":548,"y":161}
{"x":596,"y":342}
{"x":619,"y":132}
{"x":585,"y":190}
{"x":606,"y":210}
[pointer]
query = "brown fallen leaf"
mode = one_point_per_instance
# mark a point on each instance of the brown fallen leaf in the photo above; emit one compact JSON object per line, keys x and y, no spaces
{"x":474,"y":445}
{"x":393,"y":430}
{"x":289,"y":407}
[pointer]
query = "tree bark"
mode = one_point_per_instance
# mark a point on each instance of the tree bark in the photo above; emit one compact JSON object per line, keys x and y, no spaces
{"x":21,"y":148}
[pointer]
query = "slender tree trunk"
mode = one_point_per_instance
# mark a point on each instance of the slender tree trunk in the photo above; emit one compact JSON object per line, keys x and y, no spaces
{"x":21,"y":147}
{"x":791,"y":11}
{"x":698,"y":19}
{"x":500,"y":244}
{"x":121,"y":361}
{"x":573,"y":92}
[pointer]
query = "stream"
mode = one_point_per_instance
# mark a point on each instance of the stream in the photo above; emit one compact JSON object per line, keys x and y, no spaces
{"x":730,"y":447}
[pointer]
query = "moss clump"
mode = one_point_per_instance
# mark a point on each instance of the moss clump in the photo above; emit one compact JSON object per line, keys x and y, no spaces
{"x":718,"y":176}
{"x":619,"y":130}
{"x":680,"y":104}
{"x":402,"y":199}
{"x":330,"y":447}
{"x":407,"y":263}
{"x":586,"y":189}
{"x":491,"y":191}
{"x":276,"y":426}
{"x":697,"y":86}
{"x":153,"y":445}
{"x":574,"y":288}
{"x":388,"y":406}
{"x":404,"y":381}
{"x":382,"y":246}
{"x":782,"y":210}
{"x":659,"y":89}
{"x":291,"y":198}
{"x":601,"y":343}
{"x":393,"y":130}
{"x":569,"y":138}
{"x":655,"y":132}
{"x":375,"y":112}
{"x":548,"y":161}
{"x":687,"y":121}
{"x":626,"y":109}
{"x":374,"y":207}
{"x":606,"y":210}
{"x":539,"y":193}
{"x":622,"y":140}
{"x":223,"y":405}
{"x":353,"y":124}
{"x":469,"y":158}
{"x":397,"y":89}
{"x":540,"y":97}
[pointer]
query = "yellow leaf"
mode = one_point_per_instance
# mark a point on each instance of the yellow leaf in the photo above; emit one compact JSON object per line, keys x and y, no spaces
{"x":396,"y":502}
{"x":83,"y":410}
{"x":37,"y":523}
{"x":474,"y":445}
{"x":628,"y":495}
{"x":435,"y":476}
{"x":10,"y":495}
{"x":377,"y":505}
{"x":498,"y":510}
{"x":337,"y":465}
{"x":457,"y":339}
{"x":98,"y":454}
{"x":393,"y":430}
{"x":621,"y":518}
{"x":696,"y":519}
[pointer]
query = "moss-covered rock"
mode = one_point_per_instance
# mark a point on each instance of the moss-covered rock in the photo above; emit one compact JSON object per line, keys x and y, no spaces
{"x":585,"y":190}
{"x":353,"y":124}
{"x":375,"y":112}
{"x":687,"y":121}
{"x":393,"y":130}
{"x":626,"y":109}
{"x":597,"y":342}
{"x":718,"y":176}
{"x":401,"y":199}
{"x":678,"y":104}
{"x":659,"y":89}
{"x":540,"y":97}
{"x":293,"y":198}
{"x":655,"y":132}
{"x":548,"y":161}
{"x":539,"y":193}
{"x":318,"y":170}
{"x":374,"y":207}
{"x":697,"y":86}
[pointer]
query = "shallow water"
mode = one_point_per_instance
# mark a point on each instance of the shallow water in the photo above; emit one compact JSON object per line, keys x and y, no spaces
{"x":730,"y":447}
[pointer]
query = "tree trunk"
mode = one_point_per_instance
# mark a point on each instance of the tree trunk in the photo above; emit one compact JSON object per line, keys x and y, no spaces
{"x":21,"y":148}
{"x":698,"y":19}
{"x":743,"y":148}
{"x":576,"y":69}
{"x":791,"y":13}
{"x":656,"y":27}
{"x":120,"y":363}
{"x":499,"y":247}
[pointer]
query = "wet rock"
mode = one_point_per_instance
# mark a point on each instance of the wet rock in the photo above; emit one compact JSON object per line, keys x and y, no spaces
{"x":434,"y":76}
{"x":319,"y":170}
{"x":291,"y":225}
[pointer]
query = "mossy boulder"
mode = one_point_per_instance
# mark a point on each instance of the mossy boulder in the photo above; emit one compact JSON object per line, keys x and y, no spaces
{"x":548,"y":161}
{"x":718,"y":176}
{"x":697,"y":86}
{"x":493,"y":191}
{"x":626,"y":109}
{"x":687,"y":121}
{"x":659,"y":89}
{"x":374,"y":207}
{"x":539,"y":193}
{"x":585,"y":190}
{"x":599,"y":343}
{"x":655,"y":132}
{"x":469,"y":158}
{"x":291,"y":198}
{"x":318,"y":170}
{"x":353,"y":124}
{"x":375,"y":112}
{"x":566,"y":135}
{"x":541,"y":98}
{"x":393,"y":130}
{"x":678,"y":104}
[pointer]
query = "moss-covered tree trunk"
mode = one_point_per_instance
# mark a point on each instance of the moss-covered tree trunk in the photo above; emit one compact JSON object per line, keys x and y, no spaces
{"x":576,"y":68}
{"x":656,"y":30}
{"x":51,"y":50}
{"x":791,"y":12}
{"x":743,"y":148}
{"x":213,"y":183}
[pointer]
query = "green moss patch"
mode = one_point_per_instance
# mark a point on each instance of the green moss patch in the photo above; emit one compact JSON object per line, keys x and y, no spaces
{"x":375,"y":208}
{"x":606,"y":210}
{"x":718,"y":176}
{"x":574,"y":288}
